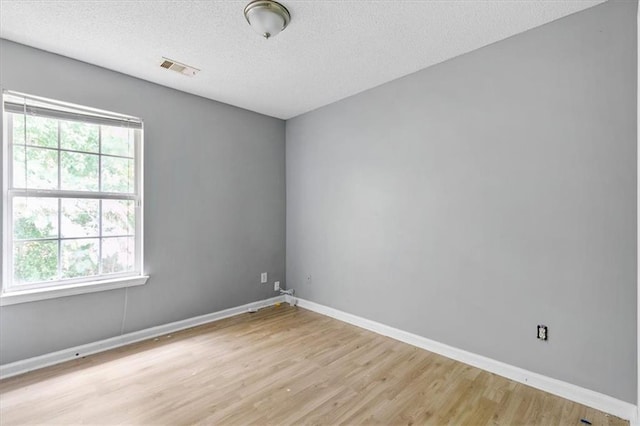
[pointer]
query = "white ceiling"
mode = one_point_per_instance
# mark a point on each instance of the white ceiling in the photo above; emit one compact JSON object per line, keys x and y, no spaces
{"x":331,"y":50}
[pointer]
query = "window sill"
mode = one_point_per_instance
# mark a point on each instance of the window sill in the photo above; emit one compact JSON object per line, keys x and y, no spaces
{"x":24,"y":296}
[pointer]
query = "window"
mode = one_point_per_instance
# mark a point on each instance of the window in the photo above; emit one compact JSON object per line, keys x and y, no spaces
{"x":73,"y":195}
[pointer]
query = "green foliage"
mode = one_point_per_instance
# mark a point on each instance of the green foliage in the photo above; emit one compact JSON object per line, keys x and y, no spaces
{"x":42,"y":131}
{"x":35,"y":217}
{"x":36,"y":261}
{"x":79,"y":136}
{"x":18,"y":128}
{"x":79,"y":218}
{"x":38,"y":166}
{"x":24,"y":227}
{"x":118,"y":217}
{"x":79,"y":258}
{"x":117,"y":141}
{"x":117,"y":175}
{"x":117,"y":254}
{"x":79,"y":171}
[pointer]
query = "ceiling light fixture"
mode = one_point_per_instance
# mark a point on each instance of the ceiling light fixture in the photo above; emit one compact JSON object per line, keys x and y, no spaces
{"x":267,"y":17}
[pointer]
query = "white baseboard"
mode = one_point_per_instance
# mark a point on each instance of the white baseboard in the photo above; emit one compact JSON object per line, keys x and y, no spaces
{"x":23,"y":366}
{"x":565,"y":390}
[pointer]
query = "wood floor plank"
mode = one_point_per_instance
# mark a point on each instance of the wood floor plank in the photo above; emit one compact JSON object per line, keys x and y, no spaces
{"x":282,"y":365}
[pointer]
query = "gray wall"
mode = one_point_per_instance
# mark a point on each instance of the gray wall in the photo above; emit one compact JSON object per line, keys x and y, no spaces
{"x":477,"y":198}
{"x":214,"y":206}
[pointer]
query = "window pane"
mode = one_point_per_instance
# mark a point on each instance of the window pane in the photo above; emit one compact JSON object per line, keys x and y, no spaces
{"x":42,"y":131}
{"x":79,"y":258}
{"x":18,"y":128}
{"x":35,"y":261}
{"x":118,"y":217}
{"x":35,"y":218}
{"x":79,"y":136}
{"x":19,"y":161}
{"x":79,"y":171}
{"x":117,"y":175}
{"x":41,"y":168}
{"x":117,"y":141}
{"x":118,"y":255}
{"x":79,"y":218}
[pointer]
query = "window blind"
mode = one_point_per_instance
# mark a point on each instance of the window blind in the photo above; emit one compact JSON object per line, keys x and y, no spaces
{"x":23,"y":104}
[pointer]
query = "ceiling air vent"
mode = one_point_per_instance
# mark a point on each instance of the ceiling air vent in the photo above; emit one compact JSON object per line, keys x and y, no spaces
{"x":172,"y":65}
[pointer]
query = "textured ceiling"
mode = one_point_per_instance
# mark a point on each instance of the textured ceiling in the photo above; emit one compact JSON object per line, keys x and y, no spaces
{"x":331,"y":50}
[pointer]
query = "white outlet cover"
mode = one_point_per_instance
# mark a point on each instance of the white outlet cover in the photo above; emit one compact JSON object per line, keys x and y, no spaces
{"x":542,"y":332}
{"x":276,"y":286}
{"x":263,"y":277}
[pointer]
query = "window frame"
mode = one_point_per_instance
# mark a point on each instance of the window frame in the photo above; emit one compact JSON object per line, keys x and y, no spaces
{"x":18,"y":293}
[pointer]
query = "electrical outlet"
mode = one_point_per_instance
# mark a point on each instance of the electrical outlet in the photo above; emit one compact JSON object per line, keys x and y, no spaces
{"x":276,"y":286}
{"x":543,"y":332}
{"x":263,"y":278}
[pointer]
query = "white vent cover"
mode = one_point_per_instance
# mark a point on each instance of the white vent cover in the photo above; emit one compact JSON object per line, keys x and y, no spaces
{"x":172,"y":65}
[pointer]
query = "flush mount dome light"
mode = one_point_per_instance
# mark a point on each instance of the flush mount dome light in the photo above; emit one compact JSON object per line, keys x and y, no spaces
{"x":267,"y":17}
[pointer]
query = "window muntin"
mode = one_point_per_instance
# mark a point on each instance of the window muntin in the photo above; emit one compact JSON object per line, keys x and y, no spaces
{"x":72,"y":194}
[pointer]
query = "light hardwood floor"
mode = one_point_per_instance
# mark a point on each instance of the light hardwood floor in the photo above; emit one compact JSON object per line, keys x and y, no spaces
{"x":281,"y":365}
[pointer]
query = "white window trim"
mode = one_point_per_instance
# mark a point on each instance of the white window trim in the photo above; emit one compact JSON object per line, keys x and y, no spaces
{"x":67,"y":288}
{"x":22,"y":296}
